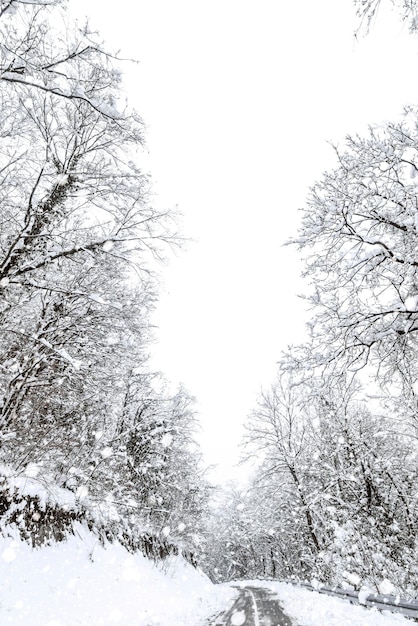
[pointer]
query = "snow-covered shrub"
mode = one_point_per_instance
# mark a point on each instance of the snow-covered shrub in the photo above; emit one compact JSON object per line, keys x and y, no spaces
{"x":41,"y":512}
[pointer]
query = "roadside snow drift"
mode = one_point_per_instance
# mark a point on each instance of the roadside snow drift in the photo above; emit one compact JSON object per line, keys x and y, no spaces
{"x":81,"y":583}
{"x":314,"y":609}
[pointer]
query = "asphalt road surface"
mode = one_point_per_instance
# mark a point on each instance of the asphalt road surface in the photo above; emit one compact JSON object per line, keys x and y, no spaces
{"x":255,"y":606}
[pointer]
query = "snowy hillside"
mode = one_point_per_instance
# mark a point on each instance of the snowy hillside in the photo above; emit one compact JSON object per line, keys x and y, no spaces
{"x":80,"y":583}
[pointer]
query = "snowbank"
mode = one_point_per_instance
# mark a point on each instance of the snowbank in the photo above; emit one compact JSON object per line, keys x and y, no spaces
{"x":314,"y":609}
{"x":81,"y":583}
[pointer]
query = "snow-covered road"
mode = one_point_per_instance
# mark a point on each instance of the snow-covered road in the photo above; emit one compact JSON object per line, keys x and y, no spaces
{"x":255,"y":606}
{"x":266,"y":603}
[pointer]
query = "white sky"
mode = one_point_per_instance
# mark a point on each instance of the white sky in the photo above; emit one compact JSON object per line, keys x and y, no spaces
{"x":240,"y":98}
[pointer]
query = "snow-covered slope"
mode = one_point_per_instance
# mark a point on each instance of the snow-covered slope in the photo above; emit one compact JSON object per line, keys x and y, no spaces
{"x":81,"y":583}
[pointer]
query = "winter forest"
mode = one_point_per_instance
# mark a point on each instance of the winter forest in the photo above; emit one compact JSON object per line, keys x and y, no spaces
{"x":91,"y":435}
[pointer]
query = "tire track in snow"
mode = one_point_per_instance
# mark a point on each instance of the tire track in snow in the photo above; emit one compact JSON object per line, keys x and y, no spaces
{"x":254,"y":607}
{"x":256,"y":620}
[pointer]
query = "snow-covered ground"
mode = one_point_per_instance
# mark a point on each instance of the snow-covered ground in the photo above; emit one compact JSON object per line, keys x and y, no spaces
{"x":314,"y":609}
{"x":80,"y":583}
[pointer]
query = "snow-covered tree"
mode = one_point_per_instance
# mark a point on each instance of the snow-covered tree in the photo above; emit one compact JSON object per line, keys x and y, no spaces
{"x":333,"y":494}
{"x":339,"y":483}
{"x":163,"y":464}
{"x":83,"y":422}
{"x":359,"y":240}
{"x":231,"y":552}
{"x":367,"y":10}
